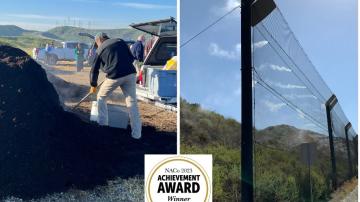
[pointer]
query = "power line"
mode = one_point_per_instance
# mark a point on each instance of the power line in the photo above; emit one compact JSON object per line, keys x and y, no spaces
{"x":209,"y":26}
{"x":287,"y":24}
{"x":292,"y":61}
{"x":277,"y":94}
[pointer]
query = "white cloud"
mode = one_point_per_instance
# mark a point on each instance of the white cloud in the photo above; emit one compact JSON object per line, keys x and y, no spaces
{"x":143,"y":5}
{"x":230,"y":4}
{"x":275,"y":67}
{"x":300,"y":96}
{"x":216,"y":50}
{"x":43,"y":17}
{"x":226,"y":6}
{"x":286,"y":86}
{"x":274,"y":107}
{"x":260,"y":44}
{"x":280,"y":68}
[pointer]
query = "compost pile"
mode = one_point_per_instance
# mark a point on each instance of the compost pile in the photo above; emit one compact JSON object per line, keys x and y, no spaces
{"x":44,"y":149}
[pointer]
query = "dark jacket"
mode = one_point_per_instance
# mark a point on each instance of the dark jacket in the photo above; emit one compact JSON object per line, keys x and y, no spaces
{"x":114,"y":58}
{"x":137,"y":50}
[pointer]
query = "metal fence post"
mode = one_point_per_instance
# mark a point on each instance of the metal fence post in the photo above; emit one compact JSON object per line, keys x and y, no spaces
{"x":347,"y":127}
{"x":329,"y":105}
{"x":246,"y":104}
{"x":355,"y":142}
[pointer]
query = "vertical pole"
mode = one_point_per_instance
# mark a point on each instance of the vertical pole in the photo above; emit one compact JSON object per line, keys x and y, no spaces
{"x":332,"y":151}
{"x":309,"y":172}
{"x":347,"y":127}
{"x":246,"y":104}
{"x":355,"y":142}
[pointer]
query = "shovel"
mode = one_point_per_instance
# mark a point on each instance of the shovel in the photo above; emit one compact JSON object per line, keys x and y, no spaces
{"x":85,"y":97}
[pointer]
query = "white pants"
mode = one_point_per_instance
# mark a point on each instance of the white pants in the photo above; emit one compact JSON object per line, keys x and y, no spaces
{"x":128,"y":87}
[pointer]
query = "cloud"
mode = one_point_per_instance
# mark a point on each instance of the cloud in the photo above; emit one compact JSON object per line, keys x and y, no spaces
{"x":260,"y":44}
{"x":274,"y":107}
{"x":43,"y":17}
{"x":143,"y":5}
{"x":280,"y":68}
{"x":226,"y":6}
{"x":300,"y":96}
{"x":235,"y":54}
{"x":230,"y":4}
{"x":275,"y":67}
{"x":286,"y":86}
{"x":216,"y":50}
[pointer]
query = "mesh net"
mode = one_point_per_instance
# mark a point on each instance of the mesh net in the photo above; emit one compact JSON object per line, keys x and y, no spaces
{"x":292,"y":149}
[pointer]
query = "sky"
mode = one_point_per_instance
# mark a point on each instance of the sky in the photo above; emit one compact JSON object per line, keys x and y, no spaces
{"x":42,"y":15}
{"x":210,"y":64}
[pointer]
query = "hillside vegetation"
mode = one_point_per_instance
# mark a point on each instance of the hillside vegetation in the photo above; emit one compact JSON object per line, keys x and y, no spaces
{"x":280,"y":175}
{"x":28,"y":39}
{"x":66,"y":33}
{"x":12,"y":30}
{"x":26,"y":43}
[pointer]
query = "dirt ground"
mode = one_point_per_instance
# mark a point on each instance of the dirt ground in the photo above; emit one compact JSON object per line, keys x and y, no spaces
{"x":46,"y":150}
{"x":151,"y":115}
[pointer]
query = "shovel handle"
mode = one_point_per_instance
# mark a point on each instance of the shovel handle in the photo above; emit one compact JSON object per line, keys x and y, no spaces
{"x":86,"y":96}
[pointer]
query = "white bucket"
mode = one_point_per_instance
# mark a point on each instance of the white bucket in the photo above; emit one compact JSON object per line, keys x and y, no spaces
{"x":118,"y":115}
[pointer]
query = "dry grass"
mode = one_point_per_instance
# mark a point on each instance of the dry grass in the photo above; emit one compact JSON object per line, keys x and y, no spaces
{"x":342,"y":192}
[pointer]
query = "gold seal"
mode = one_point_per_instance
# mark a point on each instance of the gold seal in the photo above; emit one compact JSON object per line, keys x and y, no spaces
{"x":172,"y":159}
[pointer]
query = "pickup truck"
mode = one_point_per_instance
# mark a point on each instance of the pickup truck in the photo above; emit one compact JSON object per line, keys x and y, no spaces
{"x":157,"y":84}
{"x":65,"y":53}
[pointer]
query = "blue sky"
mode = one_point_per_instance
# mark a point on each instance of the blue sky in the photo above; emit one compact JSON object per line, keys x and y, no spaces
{"x":44,"y":14}
{"x":210,"y":65}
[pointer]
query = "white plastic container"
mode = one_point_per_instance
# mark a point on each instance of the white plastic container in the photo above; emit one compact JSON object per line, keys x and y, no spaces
{"x":118,"y":115}
{"x":161,"y":83}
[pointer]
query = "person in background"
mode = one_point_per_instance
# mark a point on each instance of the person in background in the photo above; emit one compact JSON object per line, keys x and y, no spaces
{"x":91,"y":54}
{"x":79,"y":56}
{"x":148,"y":45}
{"x":48,"y":48}
{"x":114,"y":58}
{"x":137,"y":49}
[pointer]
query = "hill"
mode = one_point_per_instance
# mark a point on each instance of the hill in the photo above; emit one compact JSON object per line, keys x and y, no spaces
{"x":201,"y":127}
{"x":13,"y":31}
{"x":67,"y":32}
{"x":28,"y":39}
{"x":280,"y":174}
{"x":26,"y":43}
{"x":71,"y":33}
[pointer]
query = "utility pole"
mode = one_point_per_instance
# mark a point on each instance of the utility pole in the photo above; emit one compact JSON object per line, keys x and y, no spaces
{"x":252,"y":12}
{"x":247,"y":189}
